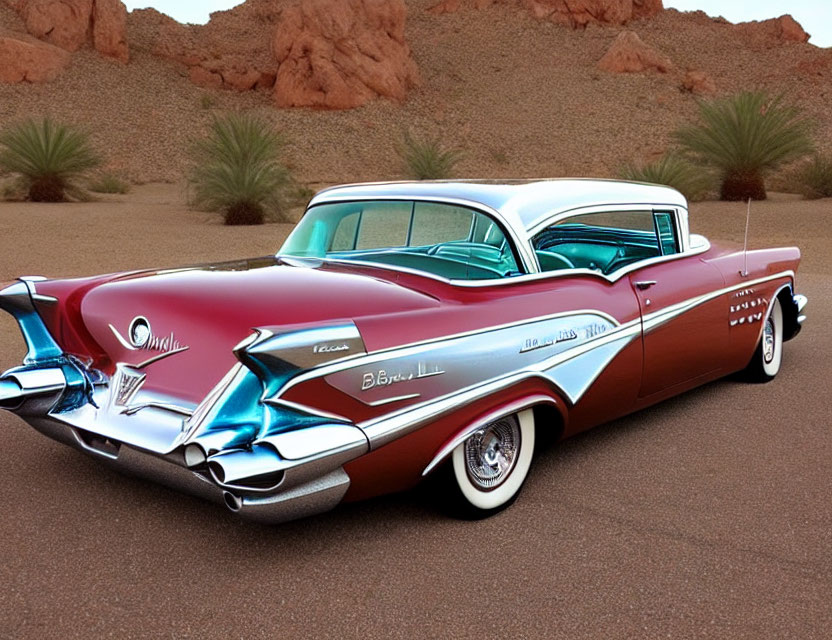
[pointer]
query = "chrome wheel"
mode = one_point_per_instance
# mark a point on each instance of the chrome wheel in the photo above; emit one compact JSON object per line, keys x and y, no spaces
{"x":487,"y":470}
{"x":491,"y":453}
{"x":769,"y":340}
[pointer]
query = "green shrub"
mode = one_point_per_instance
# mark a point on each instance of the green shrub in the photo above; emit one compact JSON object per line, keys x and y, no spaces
{"x":674,"y":171}
{"x":48,"y":156}
{"x":108,"y":183}
{"x":815,"y":178}
{"x":427,"y":158}
{"x":744,"y":137}
{"x":238,"y":170}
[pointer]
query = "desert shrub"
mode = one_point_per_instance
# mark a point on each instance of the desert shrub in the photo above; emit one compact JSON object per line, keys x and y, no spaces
{"x":815,"y":177}
{"x":744,"y":137}
{"x":238,"y":170}
{"x":427,"y":158}
{"x":48,"y":156}
{"x":674,"y":171}
{"x":108,"y":183}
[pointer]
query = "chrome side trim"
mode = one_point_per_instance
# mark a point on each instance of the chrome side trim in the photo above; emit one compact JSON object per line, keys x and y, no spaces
{"x":463,"y":435}
{"x":383,"y":401}
{"x":421,"y":346}
{"x":660,"y":317}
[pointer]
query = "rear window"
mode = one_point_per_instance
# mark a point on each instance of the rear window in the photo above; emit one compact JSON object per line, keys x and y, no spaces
{"x":450,"y":241}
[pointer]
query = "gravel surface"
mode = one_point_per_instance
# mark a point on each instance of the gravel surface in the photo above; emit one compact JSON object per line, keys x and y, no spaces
{"x":705,"y":516}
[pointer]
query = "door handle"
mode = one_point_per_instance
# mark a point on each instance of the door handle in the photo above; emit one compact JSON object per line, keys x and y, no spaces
{"x":645,"y":284}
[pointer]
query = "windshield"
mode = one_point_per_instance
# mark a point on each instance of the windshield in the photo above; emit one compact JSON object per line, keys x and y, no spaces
{"x":450,"y":241}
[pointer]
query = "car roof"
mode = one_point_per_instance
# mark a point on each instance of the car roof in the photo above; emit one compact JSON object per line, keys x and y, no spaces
{"x":522,"y":203}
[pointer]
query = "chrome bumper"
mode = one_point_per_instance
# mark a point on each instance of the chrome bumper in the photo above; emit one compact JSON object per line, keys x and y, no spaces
{"x":297,"y":497}
{"x":283,"y":475}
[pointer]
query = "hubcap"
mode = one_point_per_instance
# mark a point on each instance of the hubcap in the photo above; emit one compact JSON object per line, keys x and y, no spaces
{"x":491,"y":452}
{"x":768,"y":341}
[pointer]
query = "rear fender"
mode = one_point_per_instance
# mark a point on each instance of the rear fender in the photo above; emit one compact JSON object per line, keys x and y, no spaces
{"x":547,"y":409}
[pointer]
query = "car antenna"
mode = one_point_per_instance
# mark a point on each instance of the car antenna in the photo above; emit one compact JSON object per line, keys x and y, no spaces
{"x":744,"y":272}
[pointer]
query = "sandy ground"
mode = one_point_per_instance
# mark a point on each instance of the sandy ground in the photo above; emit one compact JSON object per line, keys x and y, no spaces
{"x":706,"y":516}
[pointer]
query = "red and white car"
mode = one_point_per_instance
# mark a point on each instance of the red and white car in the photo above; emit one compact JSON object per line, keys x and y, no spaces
{"x":403,"y":330}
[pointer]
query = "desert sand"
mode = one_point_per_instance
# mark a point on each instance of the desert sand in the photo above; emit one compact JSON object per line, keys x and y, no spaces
{"x":706,"y":516}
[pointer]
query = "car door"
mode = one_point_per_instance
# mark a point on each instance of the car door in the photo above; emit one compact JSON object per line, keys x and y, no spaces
{"x":684,"y":330}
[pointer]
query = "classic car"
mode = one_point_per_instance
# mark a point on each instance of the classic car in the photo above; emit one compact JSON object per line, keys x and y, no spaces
{"x":403,"y":330}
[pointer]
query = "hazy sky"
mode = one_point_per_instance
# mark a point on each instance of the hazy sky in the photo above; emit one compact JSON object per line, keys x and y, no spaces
{"x":814,"y":15}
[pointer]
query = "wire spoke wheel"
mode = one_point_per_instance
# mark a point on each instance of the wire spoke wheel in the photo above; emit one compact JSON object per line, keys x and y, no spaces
{"x":488,"y":469}
{"x":491,"y":453}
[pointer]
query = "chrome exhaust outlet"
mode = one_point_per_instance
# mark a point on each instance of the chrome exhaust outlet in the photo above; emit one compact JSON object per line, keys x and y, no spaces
{"x":234,"y":503}
{"x":258,"y":468}
{"x":32,"y":391}
{"x":11,"y":395}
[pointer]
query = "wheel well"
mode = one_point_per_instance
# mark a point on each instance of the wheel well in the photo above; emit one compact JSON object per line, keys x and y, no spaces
{"x":790,"y":325}
{"x":548,"y":425}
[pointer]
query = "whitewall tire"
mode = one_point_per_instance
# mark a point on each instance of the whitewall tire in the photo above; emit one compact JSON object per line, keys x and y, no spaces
{"x":765,"y":364}
{"x":488,"y":469}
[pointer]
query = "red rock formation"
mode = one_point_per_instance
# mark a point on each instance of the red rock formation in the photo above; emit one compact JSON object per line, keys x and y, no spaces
{"x":698,"y":82}
{"x":25,"y":59}
{"x":629,"y":54}
{"x":782,"y":29}
{"x":339,"y":54}
{"x":70,"y":24}
{"x":64,"y":23}
{"x":109,"y":29}
{"x":573,"y":13}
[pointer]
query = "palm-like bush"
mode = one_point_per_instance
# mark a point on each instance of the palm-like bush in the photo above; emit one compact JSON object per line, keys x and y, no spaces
{"x":427,"y":158}
{"x":816,"y":177}
{"x":744,"y":137}
{"x":48,"y":157}
{"x":674,"y":171}
{"x":238,"y":169}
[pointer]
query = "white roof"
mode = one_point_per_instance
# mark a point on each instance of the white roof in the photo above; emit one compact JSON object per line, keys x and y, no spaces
{"x":522,"y":203}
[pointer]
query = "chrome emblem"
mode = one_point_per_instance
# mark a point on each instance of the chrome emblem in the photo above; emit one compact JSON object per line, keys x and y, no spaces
{"x":141,"y":338}
{"x":383,"y":378}
{"x":139,"y":331}
{"x":330,"y":348}
{"x":126,"y":383}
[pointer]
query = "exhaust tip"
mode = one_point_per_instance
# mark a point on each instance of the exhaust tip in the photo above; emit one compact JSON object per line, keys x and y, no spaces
{"x":11,"y":394}
{"x":234,"y":503}
{"x":217,"y":471}
{"x":194,"y":455}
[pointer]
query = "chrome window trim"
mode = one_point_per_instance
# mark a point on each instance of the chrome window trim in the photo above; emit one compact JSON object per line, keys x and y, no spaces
{"x":529,"y":277}
{"x":523,"y":243}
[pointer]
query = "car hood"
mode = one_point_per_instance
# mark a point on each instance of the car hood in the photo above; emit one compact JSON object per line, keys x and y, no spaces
{"x":202,"y":313}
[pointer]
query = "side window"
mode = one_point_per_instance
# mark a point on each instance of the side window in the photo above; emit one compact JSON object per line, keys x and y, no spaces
{"x":603,"y":242}
{"x":667,"y":233}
